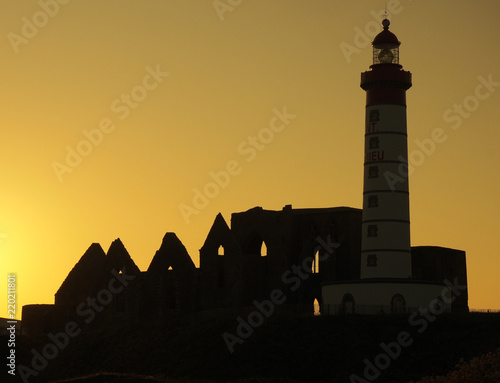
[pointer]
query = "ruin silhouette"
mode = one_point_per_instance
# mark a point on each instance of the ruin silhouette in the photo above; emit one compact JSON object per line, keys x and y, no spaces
{"x":238,"y":265}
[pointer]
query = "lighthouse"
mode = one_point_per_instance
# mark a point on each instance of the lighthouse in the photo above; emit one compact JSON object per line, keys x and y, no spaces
{"x":385,"y":239}
{"x":386,"y":282}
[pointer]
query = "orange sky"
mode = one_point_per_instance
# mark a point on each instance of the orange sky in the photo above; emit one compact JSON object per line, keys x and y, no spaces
{"x":171,"y":92}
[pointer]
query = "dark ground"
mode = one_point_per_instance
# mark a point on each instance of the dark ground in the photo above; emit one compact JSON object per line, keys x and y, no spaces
{"x":281,"y":350}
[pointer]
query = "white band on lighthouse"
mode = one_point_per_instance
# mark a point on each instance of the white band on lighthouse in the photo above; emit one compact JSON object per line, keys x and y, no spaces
{"x":385,"y":245}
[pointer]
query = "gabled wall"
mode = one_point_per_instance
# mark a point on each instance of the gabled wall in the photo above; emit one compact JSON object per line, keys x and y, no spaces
{"x":171,"y":282}
{"x":221,"y":268}
{"x":82,"y":279}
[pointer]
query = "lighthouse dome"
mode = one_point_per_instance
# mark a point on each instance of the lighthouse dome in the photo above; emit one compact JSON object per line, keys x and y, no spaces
{"x":385,"y":37}
{"x":385,"y":46}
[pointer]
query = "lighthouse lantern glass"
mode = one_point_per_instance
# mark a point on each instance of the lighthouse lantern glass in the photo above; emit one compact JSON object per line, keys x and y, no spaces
{"x":386,"y":54}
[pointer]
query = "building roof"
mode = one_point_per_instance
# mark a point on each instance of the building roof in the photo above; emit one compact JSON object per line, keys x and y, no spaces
{"x":83,"y":274}
{"x":172,"y":254}
{"x":386,"y":37}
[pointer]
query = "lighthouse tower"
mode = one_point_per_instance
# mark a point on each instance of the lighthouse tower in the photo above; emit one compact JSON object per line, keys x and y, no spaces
{"x":386,"y":283}
{"x":385,"y":244}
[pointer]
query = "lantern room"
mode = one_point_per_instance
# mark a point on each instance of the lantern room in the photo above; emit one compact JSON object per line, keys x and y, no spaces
{"x":385,"y":46}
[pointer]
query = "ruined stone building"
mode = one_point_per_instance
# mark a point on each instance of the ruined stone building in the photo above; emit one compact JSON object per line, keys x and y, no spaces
{"x":261,"y":251}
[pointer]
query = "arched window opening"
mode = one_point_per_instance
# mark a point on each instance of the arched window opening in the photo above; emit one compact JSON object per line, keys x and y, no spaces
{"x":263,"y":250}
{"x":254,"y":245}
{"x":316,"y":307}
{"x":398,"y":304}
{"x":220,"y":251}
{"x":315,"y":263}
{"x":313,"y":230}
{"x":348,"y":304}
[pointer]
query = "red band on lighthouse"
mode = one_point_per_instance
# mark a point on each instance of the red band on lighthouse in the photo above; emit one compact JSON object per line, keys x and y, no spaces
{"x":386,"y":84}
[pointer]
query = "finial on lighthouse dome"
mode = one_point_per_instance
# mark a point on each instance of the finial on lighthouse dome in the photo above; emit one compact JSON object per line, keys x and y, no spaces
{"x":386,"y":46}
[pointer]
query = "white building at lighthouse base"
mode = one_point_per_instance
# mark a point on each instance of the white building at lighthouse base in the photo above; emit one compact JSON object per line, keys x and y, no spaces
{"x":385,"y":296}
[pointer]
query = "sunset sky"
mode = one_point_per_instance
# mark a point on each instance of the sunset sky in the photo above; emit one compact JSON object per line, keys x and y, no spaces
{"x":115,"y":113}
